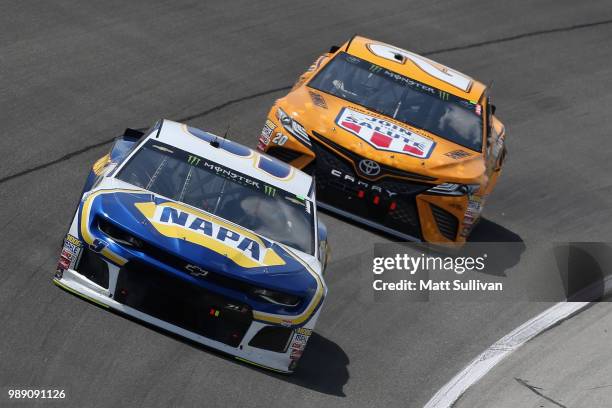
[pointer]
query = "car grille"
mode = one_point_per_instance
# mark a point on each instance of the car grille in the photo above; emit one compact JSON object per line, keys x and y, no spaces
{"x":386,"y":171}
{"x":93,"y":267}
{"x":161,"y":295}
{"x":389,"y":202}
{"x":447,"y":222}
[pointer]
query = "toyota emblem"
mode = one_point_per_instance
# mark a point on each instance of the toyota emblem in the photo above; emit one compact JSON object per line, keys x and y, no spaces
{"x":369,"y":167}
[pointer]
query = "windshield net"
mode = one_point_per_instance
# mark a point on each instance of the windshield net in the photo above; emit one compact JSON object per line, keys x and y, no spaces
{"x":216,"y":189}
{"x":402,"y":98}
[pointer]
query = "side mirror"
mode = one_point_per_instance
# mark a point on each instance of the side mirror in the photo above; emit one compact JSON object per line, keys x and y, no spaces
{"x":132,"y":134}
{"x":333,"y":49}
{"x":493,"y":109}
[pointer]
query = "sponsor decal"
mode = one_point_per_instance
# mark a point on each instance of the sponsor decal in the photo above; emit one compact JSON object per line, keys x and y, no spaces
{"x":266,"y":132}
{"x":457,"y":154}
{"x":375,"y":68}
{"x":445,"y":96}
{"x":472,"y":214}
{"x":193,"y":160}
{"x":304,"y":331}
{"x":298,"y":344}
{"x":301,"y":338}
{"x":73,"y":240}
{"x":366,"y":186}
{"x":69,"y":254}
{"x":176,"y":221}
{"x":384,"y":135}
{"x":269,"y":190}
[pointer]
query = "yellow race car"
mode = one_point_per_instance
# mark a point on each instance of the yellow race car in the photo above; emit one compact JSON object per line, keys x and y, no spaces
{"x":395,"y":140}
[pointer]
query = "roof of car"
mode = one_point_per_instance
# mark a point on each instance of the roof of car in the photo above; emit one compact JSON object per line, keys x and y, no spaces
{"x":235,"y":156}
{"x":416,"y":67}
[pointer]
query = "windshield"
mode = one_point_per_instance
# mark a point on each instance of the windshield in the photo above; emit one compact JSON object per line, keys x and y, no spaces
{"x":402,"y":98}
{"x":216,"y":189}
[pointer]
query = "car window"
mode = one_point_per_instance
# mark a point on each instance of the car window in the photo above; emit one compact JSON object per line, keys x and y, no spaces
{"x":402,"y":98}
{"x":214,"y":188}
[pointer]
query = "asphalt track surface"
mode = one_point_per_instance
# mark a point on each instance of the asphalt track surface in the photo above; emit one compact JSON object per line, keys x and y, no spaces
{"x":74,"y":74}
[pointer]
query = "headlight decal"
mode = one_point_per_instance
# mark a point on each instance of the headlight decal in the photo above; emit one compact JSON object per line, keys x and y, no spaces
{"x":293,"y":127}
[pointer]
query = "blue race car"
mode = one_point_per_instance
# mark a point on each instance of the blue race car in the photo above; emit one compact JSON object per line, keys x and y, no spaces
{"x":204,"y":238}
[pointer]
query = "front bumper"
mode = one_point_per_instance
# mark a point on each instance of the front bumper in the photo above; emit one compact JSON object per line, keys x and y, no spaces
{"x":397,"y":204}
{"x":203,"y":317}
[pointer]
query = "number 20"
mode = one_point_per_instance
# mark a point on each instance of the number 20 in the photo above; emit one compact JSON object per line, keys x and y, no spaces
{"x":280,"y":139}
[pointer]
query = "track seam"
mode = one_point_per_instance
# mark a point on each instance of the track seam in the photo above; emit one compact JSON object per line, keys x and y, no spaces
{"x":519,"y":37}
{"x":284,"y":88}
{"x":105,"y":142}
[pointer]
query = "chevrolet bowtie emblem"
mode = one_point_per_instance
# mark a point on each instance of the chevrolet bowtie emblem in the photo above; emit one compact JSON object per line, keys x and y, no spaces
{"x":195,"y":270}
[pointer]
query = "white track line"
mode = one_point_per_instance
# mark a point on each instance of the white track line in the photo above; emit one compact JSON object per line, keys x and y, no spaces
{"x":482,"y":364}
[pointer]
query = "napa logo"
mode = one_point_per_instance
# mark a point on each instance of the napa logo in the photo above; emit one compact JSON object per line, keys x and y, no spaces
{"x":174,"y":220}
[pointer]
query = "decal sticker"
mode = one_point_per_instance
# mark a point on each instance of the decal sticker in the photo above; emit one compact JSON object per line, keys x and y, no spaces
{"x":472,"y":214}
{"x":457,"y":154}
{"x":298,"y":344}
{"x":100,"y":164}
{"x":266,"y":132}
{"x":432,"y":68}
{"x":318,"y":100}
{"x":69,"y":255}
{"x":280,"y":139}
{"x":74,"y":241}
{"x":384,"y":135}
{"x":175,"y":221}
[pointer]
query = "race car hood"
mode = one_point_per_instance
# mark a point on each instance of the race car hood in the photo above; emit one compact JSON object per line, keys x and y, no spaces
{"x":371,"y":135}
{"x":172,"y":230}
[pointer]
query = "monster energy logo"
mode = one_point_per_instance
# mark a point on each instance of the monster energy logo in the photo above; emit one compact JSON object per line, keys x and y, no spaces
{"x":271,"y":191}
{"x":443,"y":95}
{"x":193,"y":160}
{"x":375,"y":68}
